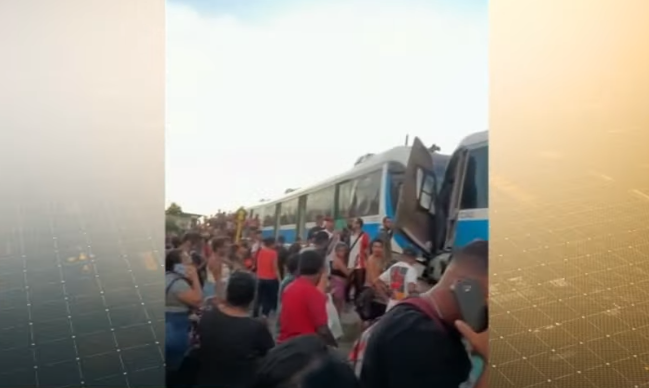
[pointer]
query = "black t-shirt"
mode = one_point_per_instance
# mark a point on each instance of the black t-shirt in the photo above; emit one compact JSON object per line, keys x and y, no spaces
{"x":282,"y":255}
{"x":408,"y":349}
{"x":230,"y":349}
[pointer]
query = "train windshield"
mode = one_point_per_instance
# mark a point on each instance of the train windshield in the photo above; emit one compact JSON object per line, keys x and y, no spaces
{"x":397,"y":171}
{"x":475,"y":193}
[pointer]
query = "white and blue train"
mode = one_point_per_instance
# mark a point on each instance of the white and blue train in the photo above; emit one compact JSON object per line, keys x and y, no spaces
{"x":369,"y":190}
{"x":472,"y":202}
{"x":438,"y":202}
{"x":460,"y":213}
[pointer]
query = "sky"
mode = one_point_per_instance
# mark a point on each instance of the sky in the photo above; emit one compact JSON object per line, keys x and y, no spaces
{"x":267,"y":95}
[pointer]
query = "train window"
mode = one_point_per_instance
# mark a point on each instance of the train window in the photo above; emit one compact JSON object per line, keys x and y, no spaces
{"x":283,"y":214}
{"x":259,"y":213}
{"x":475,"y":193}
{"x":397,"y":175}
{"x":268,"y":213}
{"x":320,"y":203}
{"x":367,"y":194}
{"x":439,"y":169}
{"x":289,"y":212}
{"x":345,"y":198}
{"x":426,"y":187}
{"x":360,"y":197}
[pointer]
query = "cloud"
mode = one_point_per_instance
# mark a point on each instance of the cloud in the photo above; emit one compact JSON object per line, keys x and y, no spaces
{"x":254,"y":107}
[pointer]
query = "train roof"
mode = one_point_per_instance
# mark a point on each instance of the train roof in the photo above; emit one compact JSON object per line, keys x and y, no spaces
{"x":475,"y":139}
{"x":397,"y":154}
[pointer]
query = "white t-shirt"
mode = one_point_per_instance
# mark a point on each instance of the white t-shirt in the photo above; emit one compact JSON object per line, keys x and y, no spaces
{"x":225,"y":276}
{"x":225,"y":272}
{"x":355,"y":251}
{"x":254,"y":248}
{"x":397,"y":277}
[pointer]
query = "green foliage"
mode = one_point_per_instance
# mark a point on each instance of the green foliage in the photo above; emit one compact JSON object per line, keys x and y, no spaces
{"x":174,"y":210}
{"x":171,"y":226}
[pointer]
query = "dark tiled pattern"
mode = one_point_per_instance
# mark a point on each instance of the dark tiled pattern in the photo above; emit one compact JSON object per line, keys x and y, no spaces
{"x":570,"y":268}
{"x":71,"y":309}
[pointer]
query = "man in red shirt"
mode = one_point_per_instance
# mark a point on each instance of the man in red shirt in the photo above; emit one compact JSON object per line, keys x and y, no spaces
{"x":304,"y":306}
{"x":267,"y":278}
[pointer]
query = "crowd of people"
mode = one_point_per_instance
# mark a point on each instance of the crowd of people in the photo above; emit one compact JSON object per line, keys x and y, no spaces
{"x":255,"y":312}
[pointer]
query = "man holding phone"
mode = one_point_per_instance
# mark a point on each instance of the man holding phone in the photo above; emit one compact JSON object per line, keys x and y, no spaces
{"x":420,"y":344}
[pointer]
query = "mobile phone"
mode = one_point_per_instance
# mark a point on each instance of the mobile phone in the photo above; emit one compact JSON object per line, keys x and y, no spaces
{"x":472,"y":304}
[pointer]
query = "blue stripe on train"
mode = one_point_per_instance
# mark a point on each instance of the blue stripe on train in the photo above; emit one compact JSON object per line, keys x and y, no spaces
{"x":470,"y":230}
{"x":466,"y":232}
{"x":372,"y":230}
{"x":265,"y":233}
{"x":289,"y":234}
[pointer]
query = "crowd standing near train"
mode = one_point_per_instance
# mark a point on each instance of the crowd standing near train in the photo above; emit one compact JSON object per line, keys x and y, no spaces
{"x":255,"y":298}
{"x":221,"y":337}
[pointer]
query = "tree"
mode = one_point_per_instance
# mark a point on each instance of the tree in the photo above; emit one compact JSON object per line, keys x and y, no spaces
{"x":171,"y":226}
{"x":174,"y":210}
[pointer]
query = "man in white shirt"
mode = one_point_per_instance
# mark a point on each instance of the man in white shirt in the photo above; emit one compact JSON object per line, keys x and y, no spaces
{"x":255,"y":243}
{"x":329,"y":226}
{"x":359,"y":246}
{"x":401,"y":278}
